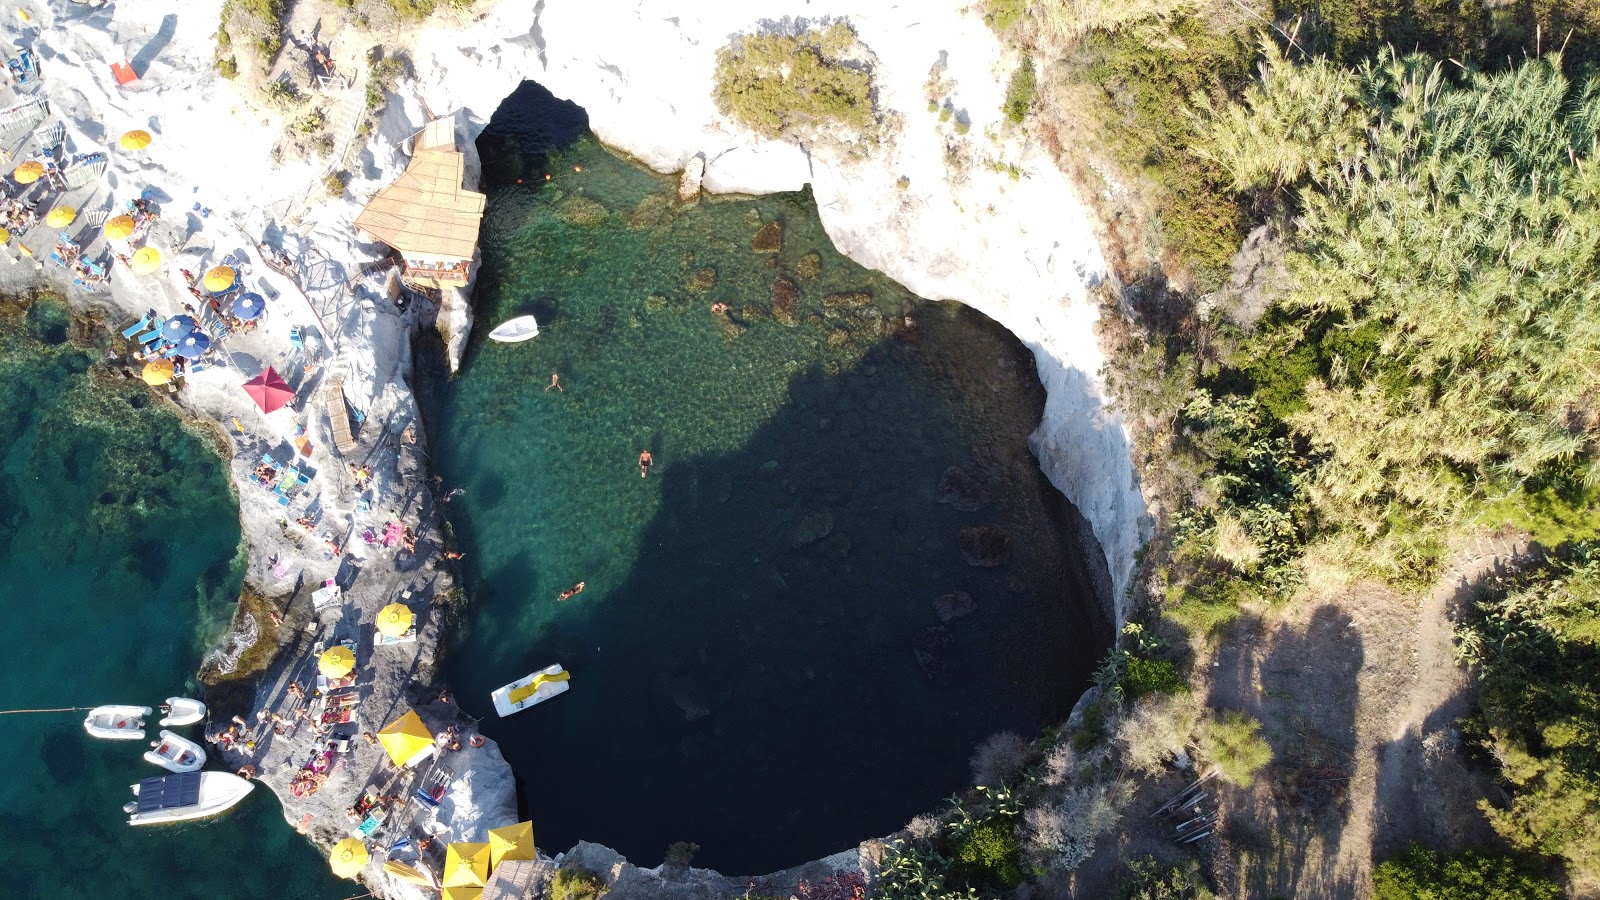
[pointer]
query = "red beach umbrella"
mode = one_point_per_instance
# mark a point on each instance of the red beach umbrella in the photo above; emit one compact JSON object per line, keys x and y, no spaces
{"x":268,"y":390}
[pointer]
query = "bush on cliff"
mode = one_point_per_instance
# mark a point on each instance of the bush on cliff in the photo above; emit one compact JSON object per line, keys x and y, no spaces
{"x":577,"y":884}
{"x":796,"y":86}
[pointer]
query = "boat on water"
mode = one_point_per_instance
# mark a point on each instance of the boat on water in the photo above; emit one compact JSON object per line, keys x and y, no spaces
{"x":192,"y":795}
{"x":116,"y":723}
{"x":531,"y":689}
{"x":182,"y":711}
{"x":514,"y":331}
{"x":176,"y":754}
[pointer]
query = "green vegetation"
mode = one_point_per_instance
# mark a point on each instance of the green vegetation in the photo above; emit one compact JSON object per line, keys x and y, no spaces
{"x":576,"y":883}
{"x":258,"y":24}
{"x":335,"y":183}
{"x":1146,"y":879}
{"x":1233,"y":743}
{"x":798,"y":87}
{"x":1020,"y":90}
{"x":283,"y":95}
{"x":1535,"y":640}
{"x":1420,"y":874}
{"x":681,"y":853}
{"x":1003,"y":15}
{"x":990,"y":854}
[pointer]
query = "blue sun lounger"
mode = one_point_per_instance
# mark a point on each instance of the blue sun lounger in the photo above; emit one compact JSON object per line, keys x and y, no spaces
{"x":140,"y":325}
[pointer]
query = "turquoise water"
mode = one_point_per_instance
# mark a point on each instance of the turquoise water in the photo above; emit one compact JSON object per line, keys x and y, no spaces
{"x":119,"y":541}
{"x":742,"y":662}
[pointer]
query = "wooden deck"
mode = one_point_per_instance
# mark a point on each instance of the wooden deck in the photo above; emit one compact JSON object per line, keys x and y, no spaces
{"x":339,"y":414}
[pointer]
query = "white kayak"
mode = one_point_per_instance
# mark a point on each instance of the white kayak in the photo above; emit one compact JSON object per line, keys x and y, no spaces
{"x":176,"y":754}
{"x":182,"y":711}
{"x":117,"y":723}
{"x":193,"y":795}
{"x":535,"y":688}
{"x":515,"y":330}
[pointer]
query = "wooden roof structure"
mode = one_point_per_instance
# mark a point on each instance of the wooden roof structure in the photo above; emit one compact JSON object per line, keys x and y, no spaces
{"x":425,"y":213}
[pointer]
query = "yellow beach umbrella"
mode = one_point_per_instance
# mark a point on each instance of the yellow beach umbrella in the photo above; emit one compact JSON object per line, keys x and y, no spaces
{"x":28,"y":172}
{"x":157,"y":371}
{"x":406,"y":873}
{"x":60,"y":217}
{"x":137,"y":139}
{"x":394,"y":619}
{"x":466,"y":865}
{"x":461,"y":892}
{"x":406,"y":738}
{"x":5,"y":235}
{"x":349,"y":857}
{"x":337,"y":662}
{"x":511,"y":842}
{"x":145,"y":260}
{"x":119,"y":227}
{"x":219,"y":279}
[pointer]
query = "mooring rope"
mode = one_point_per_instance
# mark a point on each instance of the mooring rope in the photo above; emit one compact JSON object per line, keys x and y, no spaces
{"x":7,"y":712}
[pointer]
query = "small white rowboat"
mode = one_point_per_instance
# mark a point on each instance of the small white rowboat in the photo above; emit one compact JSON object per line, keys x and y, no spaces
{"x":193,"y":795}
{"x":525,"y":692}
{"x":182,"y":711}
{"x":516,"y":330}
{"x":176,"y":754}
{"x":117,"y":723}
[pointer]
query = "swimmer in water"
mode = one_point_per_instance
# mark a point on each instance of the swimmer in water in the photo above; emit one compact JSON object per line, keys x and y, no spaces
{"x":555,"y":382}
{"x":645,"y":462}
{"x":575,"y":589}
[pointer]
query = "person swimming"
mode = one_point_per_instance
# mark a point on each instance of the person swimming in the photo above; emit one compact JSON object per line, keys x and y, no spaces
{"x":575,"y":589}
{"x":645,"y":462}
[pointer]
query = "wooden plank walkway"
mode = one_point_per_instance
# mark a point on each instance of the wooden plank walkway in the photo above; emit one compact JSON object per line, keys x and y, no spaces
{"x":339,"y":414}
{"x":519,"y":879}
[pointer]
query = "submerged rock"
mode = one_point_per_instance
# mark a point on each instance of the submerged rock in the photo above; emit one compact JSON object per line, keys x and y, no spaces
{"x":703,"y":279}
{"x":655,"y":303}
{"x":812,"y":527}
{"x":962,"y":491}
{"x":985,"y":546}
{"x":786,"y":302}
{"x":809,"y":266}
{"x":932,"y":647}
{"x":847,"y":300}
{"x":956,"y":605}
{"x":582,"y":211}
{"x":650,"y":212}
{"x":769,"y":239}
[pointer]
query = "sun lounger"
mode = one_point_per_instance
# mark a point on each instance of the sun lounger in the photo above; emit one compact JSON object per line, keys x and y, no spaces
{"x":151,"y":335}
{"x":139,"y":326}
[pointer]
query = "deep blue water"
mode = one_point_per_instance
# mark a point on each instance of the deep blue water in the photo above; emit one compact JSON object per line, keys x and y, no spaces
{"x":119,"y":563}
{"x":734,"y":683}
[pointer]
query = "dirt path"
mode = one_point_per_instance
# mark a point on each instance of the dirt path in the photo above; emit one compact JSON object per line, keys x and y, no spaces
{"x":1359,"y":695}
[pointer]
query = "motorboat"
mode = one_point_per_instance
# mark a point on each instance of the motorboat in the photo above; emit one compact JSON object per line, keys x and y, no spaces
{"x":192,"y":795}
{"x":176,"y":754}
{"x":531,"y":689}
{"x":182,"y":711}
{"x":117,"y":723}
{"x":516,"y":330}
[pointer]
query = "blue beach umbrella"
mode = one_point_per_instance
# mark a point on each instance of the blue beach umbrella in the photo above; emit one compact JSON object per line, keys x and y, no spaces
{"x":194,"y":345}
{"x":178,"y":327}
{"x":248,"y":307}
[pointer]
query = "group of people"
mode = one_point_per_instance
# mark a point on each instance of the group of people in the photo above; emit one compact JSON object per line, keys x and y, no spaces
{"x":18,"y":215}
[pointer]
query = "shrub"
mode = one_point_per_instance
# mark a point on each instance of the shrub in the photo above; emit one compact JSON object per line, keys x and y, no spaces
{"x":990,"y":854}
{"x":283,"y":95}
{"x":1420,"y":874}
{"x":1061,"y":835}
{"x":577,"y":884}
{"x":1020,"y":91}
{"x":1152,"y":676}
{"x":1233,"y":743}
{"x":1155,"y":731}
{"x":999,"y":757}
{"x":1145,"y":879}
{"x":794,"y":86}
{"x":1000,"y":15}
{"x":335,"y":183}
{"x":681,"y":854}
{"x":227,"y":67}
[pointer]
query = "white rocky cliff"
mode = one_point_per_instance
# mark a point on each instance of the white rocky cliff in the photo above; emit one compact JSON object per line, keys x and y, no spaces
{"x":983,"y":217}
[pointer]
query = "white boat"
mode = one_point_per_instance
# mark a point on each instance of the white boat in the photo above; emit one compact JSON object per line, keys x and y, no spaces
{"x":527,"y":691}
{"x":515,"y":330}
{"x":192,"y":795}
{"x":176,"y":754}
{"x":117,"y":723}
{"x":182,"y":711}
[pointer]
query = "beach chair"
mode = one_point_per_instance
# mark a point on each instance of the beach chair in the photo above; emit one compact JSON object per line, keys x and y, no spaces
{"x":140,"y":325}
{"x":295,"y":339}
{"x":151,"y":335}
{"x":432,"y":793}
